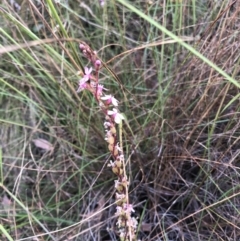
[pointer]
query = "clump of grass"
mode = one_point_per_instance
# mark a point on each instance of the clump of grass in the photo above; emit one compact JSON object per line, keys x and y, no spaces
{"x":181,"y":132}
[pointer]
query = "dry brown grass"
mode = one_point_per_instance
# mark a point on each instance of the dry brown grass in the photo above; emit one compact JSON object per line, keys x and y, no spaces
{"x":183,"y":137}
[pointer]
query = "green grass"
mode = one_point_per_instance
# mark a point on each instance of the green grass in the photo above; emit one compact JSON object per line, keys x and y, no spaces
{"x":174,"y":67}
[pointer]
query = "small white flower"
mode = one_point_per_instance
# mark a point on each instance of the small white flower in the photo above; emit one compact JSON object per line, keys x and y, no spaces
{"x":134,"y":222}
{"x":117,"y":183}
{"x":119,"y":210}
{"x":128,"y":208}
{"x":118,"y":147}
{"x":106,"y":124}
{"x":111,"y":164}
{"x":116,"y":115}
{"x":122,"y":233}
{"x":101,"y":2}
{"x":110,"y":100}
{"x":119,"y":223}
{"x":119,"y":196}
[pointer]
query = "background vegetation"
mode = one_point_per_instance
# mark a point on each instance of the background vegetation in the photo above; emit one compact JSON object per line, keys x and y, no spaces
{"x":182,"y":132}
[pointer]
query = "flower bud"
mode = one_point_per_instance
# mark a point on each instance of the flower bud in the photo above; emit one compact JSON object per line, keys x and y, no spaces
{"x":115,"y":170}
{"x":113,"y":130}
{"x":110,"y":147}
{"x":82,"y":46}
{"x":115,"y":151}
{"x":97,"y":64}
{"x":118,"y":163}
{"x":110,"y":140}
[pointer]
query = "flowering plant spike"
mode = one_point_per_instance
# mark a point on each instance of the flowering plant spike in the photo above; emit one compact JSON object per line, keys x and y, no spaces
{"x":126,"y":224}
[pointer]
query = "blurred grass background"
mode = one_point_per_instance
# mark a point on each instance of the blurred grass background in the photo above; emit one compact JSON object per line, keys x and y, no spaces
{"x":182,"y":131}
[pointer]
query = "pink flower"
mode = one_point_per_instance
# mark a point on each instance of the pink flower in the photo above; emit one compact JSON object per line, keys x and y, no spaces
{"x":101,"y":2}
{"x":107,"y":124}
{"x":87,"y":74}
{"x":128,"y":208}
{"x":120,"y":196}
{"x":119,"y":210}
{"x":109,"y":99}
{"x":82,"y":85}
{"x":134,"y":222}
{"x":116,"y":115}
{"x":83,"y":82}
{"x":100,"y":89}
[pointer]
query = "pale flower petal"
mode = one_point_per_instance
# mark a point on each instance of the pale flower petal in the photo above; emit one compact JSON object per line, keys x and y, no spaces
{"x":118,"y":118}
{"x":116,"y":115}
{"x":110,"y":100}
{"x":88,"y":70}
{"x":82,"y":84}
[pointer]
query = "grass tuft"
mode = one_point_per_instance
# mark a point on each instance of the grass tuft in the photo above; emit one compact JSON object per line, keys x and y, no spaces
{"x":174,"y":66}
